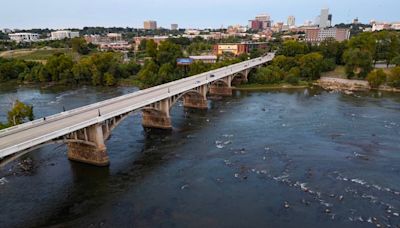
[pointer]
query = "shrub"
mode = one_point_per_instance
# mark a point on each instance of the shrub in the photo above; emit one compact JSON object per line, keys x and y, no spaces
{"x":376,"y":78}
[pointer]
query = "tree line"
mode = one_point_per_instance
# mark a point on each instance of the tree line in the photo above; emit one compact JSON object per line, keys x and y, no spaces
{"x":97,"y":69}
{"x":297,"y":61}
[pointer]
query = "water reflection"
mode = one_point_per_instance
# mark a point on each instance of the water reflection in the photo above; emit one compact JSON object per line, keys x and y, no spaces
{"x":304,"y":157}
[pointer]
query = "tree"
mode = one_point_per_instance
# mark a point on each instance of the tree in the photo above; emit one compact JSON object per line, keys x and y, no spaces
{"x":267,"y":75}
{"x":79,"y":45}
{"x":198,"y":67}
{"x":393,"y":79}
{"x":59,"y":67}
{"x":148,"y":74}
{"x":19,"y":113}
{"x":396,"y":60}
{"x":168,"y":53}
{"x":332,"y":49}
{"x":82,"y":70}
{"x":166,"y":73}
{"x":285,"y":63}
{"x":151,"y":49}
{"x":311,"y":65}
{"x":358,"y":62}
{"x":376,"y":78}
{"x":293,"y":76}
{"x":109,"y":79}
{"x":292,"y":48}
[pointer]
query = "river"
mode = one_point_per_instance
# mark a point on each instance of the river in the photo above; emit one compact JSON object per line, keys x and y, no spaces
{"x":295,"y":158}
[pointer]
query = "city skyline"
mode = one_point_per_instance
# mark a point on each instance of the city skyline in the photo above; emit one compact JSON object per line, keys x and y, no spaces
{"x":124,"y":13}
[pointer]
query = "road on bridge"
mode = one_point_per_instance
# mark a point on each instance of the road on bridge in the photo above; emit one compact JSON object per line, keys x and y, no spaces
{"x":31,"y":134}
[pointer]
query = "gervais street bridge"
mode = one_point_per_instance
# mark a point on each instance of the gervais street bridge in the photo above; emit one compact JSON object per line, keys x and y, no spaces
{"x":86,"y":129}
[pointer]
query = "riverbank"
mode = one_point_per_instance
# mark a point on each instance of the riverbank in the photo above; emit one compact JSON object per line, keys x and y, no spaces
{"x":350,"y":85}
{"x":252,"y":87}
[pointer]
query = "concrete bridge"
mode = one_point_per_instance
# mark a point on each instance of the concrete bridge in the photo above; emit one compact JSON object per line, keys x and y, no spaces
{"x":86,"y":129}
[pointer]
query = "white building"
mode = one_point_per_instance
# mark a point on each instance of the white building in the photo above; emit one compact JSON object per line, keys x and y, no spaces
{"x":192,"y":32}
{"x":24,"y":37}
{"x":291,"y":21}
{"x":324,"y":18}
{"x":6,"y":30}
{"x":396,"y":26}
{"x":174,"y":27}
{"x":64,"y":34}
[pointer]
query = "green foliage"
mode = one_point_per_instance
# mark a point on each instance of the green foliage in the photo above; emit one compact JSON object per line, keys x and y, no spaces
{"x":11,"y":69}
{"x":151,"y":48}
{"x":285,"y":63}
{"x":358,"y":62}
{"x":109,"y":79}
{"x":311,"y":65}
{"x":148,"y":74}
{"x":328,"y":64}
{"x":393,"y":79}
{"x":59,"y":68}
{"x":376,"y":78}
{"x":268,"y":75}
{"x":396,"y":60}
{"x":79,"y":45}
{"x":293,"y":76}
{"x":197,"y":48}
{"x":292,"y":48}
{"x":332,"y":49}
{"x":198,"y":67}
{"x":168,"y":53}
{"x":19,"y":113}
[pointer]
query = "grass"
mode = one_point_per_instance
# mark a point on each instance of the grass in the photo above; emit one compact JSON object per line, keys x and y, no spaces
{"x":38,"y":55}
{"x":339,"y":72}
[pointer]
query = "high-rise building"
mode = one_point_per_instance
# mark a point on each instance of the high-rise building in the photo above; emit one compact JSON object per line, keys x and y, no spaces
{"x":174,"y":26}
{"x":318,"y":35}
{"x":291,"y":21}
{"x":261,"y":22}
{"x":324,"y":18}
{"x":150,"y":25}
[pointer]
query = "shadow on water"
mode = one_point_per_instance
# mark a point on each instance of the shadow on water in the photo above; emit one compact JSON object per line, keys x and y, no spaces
{"x":93,"y":186}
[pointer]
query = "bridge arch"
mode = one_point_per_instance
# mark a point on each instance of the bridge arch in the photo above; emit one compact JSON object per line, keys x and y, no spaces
{"x":191,"y":94}
{"x":239,"y":78}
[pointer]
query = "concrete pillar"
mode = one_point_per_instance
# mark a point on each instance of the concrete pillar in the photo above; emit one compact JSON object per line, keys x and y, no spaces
{"x":158,"y":118}
{"x":94,"y":153}
{"x":220,"y":90}
{"x":196,"y":101}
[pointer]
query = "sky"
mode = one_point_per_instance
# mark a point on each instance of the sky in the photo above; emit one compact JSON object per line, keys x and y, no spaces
{"x":58,"y":14}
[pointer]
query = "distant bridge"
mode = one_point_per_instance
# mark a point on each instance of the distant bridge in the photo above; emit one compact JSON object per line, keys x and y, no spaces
{"x":86,"y":129}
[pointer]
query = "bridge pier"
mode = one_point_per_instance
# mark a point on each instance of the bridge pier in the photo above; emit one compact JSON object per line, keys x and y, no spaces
{"x":157,"y":116}
{"x":221,"y":91}
{"x":90,"y":148}
{"x":196,"y":100}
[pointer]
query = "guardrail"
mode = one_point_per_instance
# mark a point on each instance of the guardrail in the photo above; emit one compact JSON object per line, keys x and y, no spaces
{"x":97,"y":105}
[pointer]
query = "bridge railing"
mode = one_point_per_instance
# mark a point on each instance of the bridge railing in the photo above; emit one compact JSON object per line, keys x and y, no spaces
{"x":97,"y":105}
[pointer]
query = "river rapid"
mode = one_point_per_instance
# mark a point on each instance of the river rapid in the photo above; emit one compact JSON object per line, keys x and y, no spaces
{"x":274,"y":158}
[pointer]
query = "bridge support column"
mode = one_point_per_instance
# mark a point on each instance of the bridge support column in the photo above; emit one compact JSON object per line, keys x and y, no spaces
{"x":158,"y":116}
{"x":197,"y":101}
{"x":223,"y":87}
{"x":92,"y":149}
{"x":221,"y":91}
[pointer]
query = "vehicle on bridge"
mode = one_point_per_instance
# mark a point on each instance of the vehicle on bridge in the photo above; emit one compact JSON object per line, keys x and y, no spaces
{"x":86,"y":129}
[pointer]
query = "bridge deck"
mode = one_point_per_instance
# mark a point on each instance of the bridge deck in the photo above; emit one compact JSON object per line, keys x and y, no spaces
{"x":37,"y":132}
